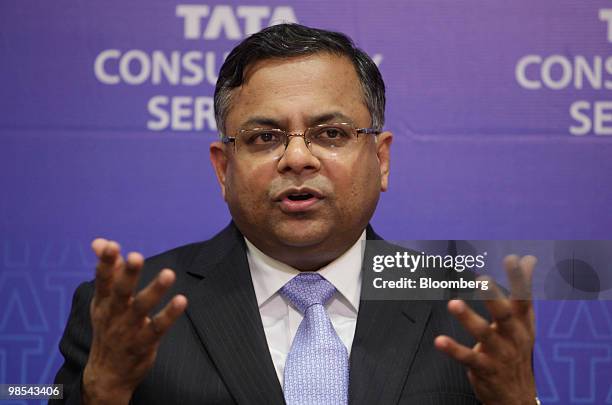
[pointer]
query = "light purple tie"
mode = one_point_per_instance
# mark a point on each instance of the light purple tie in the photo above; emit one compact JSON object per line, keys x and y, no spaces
{"x":317,"y":367}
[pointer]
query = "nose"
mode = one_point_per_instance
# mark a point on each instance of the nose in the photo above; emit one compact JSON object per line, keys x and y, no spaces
{"x":298,"y":157}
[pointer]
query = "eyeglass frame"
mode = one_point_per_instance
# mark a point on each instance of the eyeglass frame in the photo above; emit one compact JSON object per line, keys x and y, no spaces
{"x":288,"y":135}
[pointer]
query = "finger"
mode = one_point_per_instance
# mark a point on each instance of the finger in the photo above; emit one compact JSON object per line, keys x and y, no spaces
{"x":520,"y":274}
{"x":98,"y":246}
{"x":500,"y":308}
{"x":152,"y":294}
{"x":465,"y":355}
{"x":126,"y":280}
{"x":165,"y":318}
{"x":476,"y":325}
{"x":108,"y":257}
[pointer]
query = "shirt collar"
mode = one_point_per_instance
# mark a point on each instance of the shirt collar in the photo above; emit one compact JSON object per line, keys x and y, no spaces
{"x":270,"y":275}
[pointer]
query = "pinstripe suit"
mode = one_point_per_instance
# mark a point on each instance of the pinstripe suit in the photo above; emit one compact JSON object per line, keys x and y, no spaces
{"x":217,"y":352}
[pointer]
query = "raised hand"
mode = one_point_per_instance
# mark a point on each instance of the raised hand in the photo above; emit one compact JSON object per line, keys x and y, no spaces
{"x":125,"y":337}
{"x":499,"y":365}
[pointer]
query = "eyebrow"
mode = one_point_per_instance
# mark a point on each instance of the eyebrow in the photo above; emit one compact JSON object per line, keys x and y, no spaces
{"x":263,"y":121}
{"x":334,"y":116}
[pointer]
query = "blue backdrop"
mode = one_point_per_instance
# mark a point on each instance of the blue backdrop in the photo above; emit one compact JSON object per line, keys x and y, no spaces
{"x":501,"y":113}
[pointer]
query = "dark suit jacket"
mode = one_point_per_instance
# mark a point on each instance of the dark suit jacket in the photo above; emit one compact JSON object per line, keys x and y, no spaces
{"x":217,"y":352}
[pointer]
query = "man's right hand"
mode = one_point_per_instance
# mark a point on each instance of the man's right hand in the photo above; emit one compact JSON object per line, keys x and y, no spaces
{"x":125,"y":337}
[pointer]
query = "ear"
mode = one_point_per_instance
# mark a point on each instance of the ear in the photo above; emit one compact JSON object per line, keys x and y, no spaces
{"x":219,"y":160}
{"x":383,"y":151}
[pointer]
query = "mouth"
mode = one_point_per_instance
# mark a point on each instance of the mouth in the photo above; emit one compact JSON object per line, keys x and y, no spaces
{"x":299,"y":200}
{"x":300,"y":197}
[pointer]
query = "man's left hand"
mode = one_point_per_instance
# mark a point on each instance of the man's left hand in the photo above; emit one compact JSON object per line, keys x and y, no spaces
{"x":499,"y":365}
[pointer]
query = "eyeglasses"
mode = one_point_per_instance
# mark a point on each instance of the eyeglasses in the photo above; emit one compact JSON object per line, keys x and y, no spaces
{"x":322,"y":140}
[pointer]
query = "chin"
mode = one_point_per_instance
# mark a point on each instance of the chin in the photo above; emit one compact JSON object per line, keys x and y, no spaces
{"x":301,"y":234}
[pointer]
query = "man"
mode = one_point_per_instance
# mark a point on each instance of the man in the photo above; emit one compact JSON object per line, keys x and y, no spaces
{"x":301,"y":164}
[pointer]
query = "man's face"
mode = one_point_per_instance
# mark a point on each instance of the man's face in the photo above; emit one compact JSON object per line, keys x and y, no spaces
{"x":342,"y":190}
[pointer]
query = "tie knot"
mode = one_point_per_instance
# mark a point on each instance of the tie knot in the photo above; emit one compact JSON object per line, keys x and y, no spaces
{"x":307,"y":289}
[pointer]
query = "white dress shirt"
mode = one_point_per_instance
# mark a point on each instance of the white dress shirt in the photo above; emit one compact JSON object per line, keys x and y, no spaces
{"x":281,"y":319}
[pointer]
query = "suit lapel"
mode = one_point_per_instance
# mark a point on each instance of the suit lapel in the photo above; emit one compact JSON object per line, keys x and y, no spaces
{"x":223,"y":309}
{"x":387,"y":338}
